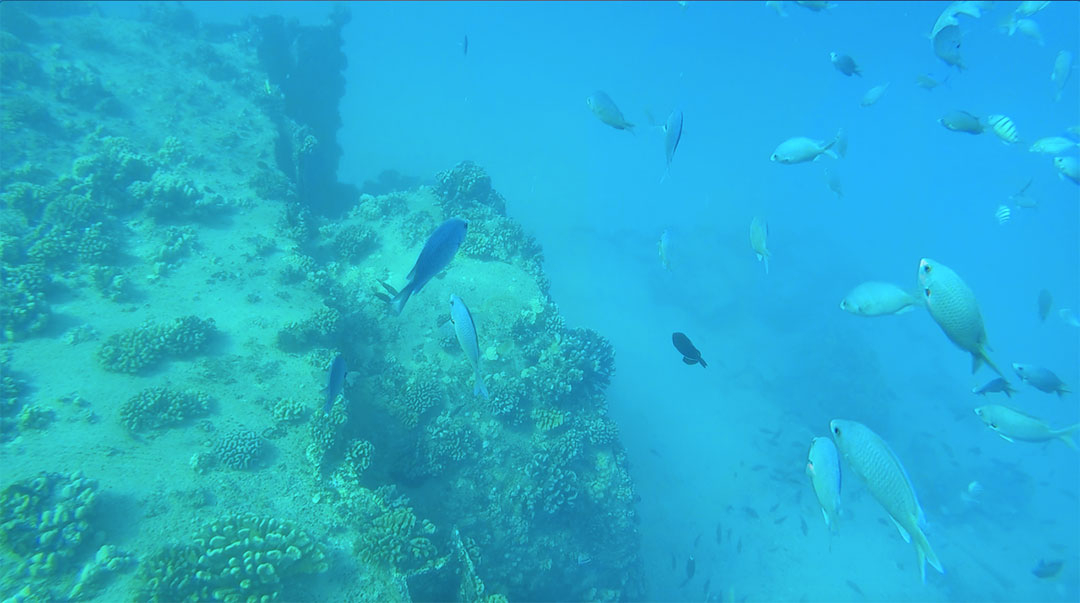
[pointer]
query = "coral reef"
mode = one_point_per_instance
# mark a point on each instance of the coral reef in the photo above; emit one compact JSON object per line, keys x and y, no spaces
{"x":23,"y":309}
{"x":239,"y":558}
{"x":46,"y":522}
{"x":354,"y":242}
{"x":318,"y":329}
{"x":392,"y":538}
{"x":239,"y":449}
{"x":160,"y":407}
{"x":421,"y":394}
{"x":134,"y":350}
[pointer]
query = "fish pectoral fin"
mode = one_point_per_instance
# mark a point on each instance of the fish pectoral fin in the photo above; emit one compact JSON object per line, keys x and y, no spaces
{"x":1006,"y":438}
{"x":828,"y":523}
{"x":905,"y":309}
{"x":687,"y":360}
{"x":903,"y":533}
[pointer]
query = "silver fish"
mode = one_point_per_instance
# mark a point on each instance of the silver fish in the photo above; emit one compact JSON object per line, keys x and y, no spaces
{"x":672,"y":135}
{"x":823,"y":468}
{"x":605,"y":109}
{"x":1041,"y":378}
{"x":465,"y":329}
{"x":1062,"y":69}
{"x":961,"y":121}
{"x":871,"y":459}
{"x":1014,"y":425}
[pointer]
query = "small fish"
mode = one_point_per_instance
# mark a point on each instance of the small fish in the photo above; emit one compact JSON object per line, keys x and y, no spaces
{"x":705,"y":590}
{"x":438,"y":250}
{"x":690,"y":566}
{"x":465,"y":329}
{"x":1046,"y":300}
{"x":926,"y":82}
{"x":833,"y":182}
{"x":800,"y":150}
{"x":871,"y":459}
{"x":1004,"y":128}
{"x":1021,"y":198}
{"x":1030,"y":7}
{"x":780,"y":521}
{"x":841,"y":143}
{"x":1014,"y":425}
{"x":335,"y":382}
{"x":803,"y":527}
{"x":1002,"y":214}
{"x":875,"y":298}
{"x":823,"y":469}
{"x":961,"y":121}
{"x":465,"y":45}
{"x":673,"y":562}
{"x":947,"y":46}
{"x":1047,"y":569}
{"x":953,"y":307}
{"x":697,"y":540}
{"x":605,"y":109}
{"x":855,"y":587}
{"x":1069,"y":317}
{"x":719,"y":533}
{"x":873,"y":95}
{"x":1042,"y":379}
{"x":994,"y":386}
{"x":672,"y":135}
{"x":690,"y":354}
{"x":815,"y":5}
{"x":663,"y":248}
{"x":1068,"y":167}
{"x":759,"y":234}
{"x":1060,"y":74}
{"x":750,"y":512}
{"x":845,"y":64}
{"x":1053,"y":145}
{"x":738,"y":545}
{"x":777,"y":6}
{"x":1027,"y":27}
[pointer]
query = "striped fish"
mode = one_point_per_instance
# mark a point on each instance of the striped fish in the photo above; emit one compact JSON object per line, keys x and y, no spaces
{"x":871,"y":459}
{"x":1003,"y":214}
{"x":1004,"y":128}
{"x":465,"y":329}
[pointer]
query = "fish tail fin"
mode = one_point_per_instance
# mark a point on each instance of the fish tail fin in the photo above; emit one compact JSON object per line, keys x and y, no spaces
{"x":1062,"y":390}
{"x":1066,"y":435}
{"x":978,"y":358}
{"x":664,"y":177}
{"x":398,"y":303}
{"x":479,"y":389}
{"x":926,"y":554}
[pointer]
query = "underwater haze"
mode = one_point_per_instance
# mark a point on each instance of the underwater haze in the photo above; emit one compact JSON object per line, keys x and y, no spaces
{"x":213,"y":215}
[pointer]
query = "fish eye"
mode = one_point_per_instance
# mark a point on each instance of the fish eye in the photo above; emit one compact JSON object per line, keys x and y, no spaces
{"x":926,"y":268}
{"x":836,"y":430}
{"x":926,"y":292}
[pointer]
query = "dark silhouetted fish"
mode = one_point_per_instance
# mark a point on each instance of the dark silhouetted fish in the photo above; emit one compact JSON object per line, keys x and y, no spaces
{"x":439,"y":249}
{"x":335,"y":383}
{"x":1045,"y":302}
{"x":465,"y":46}
{"x":691,"y":355}
{"x":995,"y":385}
{"x":689,"y":570}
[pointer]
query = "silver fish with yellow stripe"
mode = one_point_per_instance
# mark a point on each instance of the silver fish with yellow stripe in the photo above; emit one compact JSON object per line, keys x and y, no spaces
{"x":871,"y":459}
{"x":465,"y":329}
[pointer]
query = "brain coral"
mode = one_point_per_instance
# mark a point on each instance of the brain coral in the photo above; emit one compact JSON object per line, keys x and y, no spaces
{"x":239,"y":449}
{"x":239,"y":558}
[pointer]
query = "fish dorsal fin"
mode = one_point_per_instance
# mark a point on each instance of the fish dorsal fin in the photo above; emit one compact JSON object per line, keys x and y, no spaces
{"x":903,"y":533}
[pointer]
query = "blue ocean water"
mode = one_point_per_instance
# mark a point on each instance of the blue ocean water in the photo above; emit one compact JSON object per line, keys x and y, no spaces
{"x":717,"y":456}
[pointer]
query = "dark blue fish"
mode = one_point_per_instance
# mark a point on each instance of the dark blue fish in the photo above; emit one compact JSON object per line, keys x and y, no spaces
{"x":336,"y":382}
{"x":439,"y":249}
{"x":465,"y":46}
{"x":691,"y":355}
